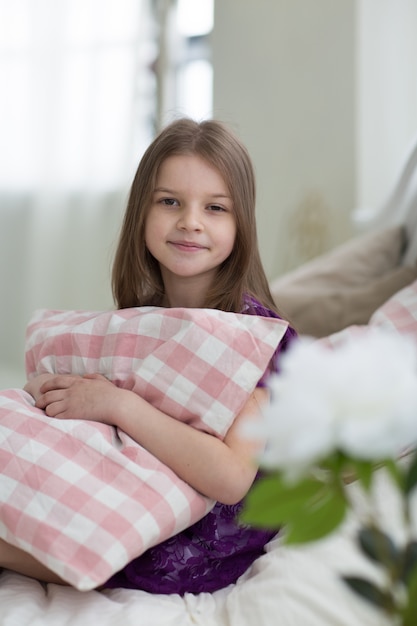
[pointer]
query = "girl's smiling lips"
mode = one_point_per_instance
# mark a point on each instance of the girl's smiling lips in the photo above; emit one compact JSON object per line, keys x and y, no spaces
{"x":187,"y":246}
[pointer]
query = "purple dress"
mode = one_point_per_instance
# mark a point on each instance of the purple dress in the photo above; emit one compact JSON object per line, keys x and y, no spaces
{"x":213,"y":552}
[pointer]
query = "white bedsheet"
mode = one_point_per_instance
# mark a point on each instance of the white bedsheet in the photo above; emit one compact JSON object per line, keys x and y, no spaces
{"x":288,"y":586}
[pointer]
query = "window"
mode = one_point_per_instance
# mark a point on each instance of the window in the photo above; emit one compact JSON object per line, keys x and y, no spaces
{"x":80,"y":95}
{"x":88,"y":82}
{"x":187,"y":69}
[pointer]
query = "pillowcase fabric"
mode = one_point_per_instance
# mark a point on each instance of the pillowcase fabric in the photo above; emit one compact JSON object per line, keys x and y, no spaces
{"x":346,"y":285}
{"x":83,"y":497}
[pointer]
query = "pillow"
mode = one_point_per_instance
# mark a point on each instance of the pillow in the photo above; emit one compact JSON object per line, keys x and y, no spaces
{"x":321,"y":312}
{"x":346,"y":285}
{"x":398,"y":314}
{"x":83,"y":497}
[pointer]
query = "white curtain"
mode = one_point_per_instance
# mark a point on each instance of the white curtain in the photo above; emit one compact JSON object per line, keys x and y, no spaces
{"x":76,"y":112}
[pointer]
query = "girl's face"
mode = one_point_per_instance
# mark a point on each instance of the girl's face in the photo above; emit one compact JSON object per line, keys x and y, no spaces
{"x":190,"y":228}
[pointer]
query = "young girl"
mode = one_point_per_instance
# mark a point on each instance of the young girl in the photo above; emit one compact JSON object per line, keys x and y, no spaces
{"x":188,"y":240}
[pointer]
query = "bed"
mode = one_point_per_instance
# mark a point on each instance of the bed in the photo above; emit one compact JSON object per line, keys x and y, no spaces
{"x":351,"y":286}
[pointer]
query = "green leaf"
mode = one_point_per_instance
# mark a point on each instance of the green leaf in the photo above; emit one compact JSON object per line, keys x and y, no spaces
{"x":409,"y":561}
{"x":396,"y":473}
{"x":411,"y":476}
{"x":378,"y":546}
{"x":370,"y":592}
{"x":318,"y":518}
{"x":364,"y":472}
{"x":309,"y":509}
{"x":272,"y":502}
{"x":410,"y":611}
{"x":336,"y":463}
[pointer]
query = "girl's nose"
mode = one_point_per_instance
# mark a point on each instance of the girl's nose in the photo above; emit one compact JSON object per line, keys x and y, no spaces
{"x":189,"y":219}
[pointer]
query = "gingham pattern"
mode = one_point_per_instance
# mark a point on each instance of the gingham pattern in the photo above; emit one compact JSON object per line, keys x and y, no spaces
{"x":85,"y":499}
{"x":347,"y":334}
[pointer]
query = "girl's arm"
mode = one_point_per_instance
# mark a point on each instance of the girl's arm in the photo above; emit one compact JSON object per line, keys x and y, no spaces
{"x":222,"y":470}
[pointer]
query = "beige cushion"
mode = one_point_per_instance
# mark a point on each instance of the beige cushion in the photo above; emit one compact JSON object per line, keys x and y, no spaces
{"x":346,"y":285}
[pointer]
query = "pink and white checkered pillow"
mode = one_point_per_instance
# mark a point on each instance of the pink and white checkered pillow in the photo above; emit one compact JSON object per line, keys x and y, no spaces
{"x":83,"y":497}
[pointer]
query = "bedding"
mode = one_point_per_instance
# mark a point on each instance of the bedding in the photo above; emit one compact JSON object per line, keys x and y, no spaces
{"x":346,"y":285}
{"x":398,"y":314}
{"x":292,"y":584}
{"x":83,"y":497}
{"x":288,"y":586}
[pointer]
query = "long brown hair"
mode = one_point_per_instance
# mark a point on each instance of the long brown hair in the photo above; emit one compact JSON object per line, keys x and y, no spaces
{"x":136,"y":277}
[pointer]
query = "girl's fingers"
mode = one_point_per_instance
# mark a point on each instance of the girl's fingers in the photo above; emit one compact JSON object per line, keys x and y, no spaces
{"x":58,"y":382}
{"x":53,"y":405}
{"x":48,"y":398}
{"x":54,"y":409}
{"x":96,"y":377}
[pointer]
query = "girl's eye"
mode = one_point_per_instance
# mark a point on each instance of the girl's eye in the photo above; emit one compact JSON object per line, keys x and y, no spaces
{"x":169,"y":201}
{"x":216,"y":208}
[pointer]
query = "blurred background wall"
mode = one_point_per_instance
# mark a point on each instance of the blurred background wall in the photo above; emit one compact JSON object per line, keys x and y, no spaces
{"x":323,"y":93}
{"x":286,"y":80}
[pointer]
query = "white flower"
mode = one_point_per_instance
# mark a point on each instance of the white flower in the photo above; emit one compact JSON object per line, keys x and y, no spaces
{"x":359,"y":397}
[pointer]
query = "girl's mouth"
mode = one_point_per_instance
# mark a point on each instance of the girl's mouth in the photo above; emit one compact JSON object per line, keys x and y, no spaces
{"x":187,"y":246}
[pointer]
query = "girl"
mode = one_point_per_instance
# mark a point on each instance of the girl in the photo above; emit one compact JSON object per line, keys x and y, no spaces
{"x":188,"y":240}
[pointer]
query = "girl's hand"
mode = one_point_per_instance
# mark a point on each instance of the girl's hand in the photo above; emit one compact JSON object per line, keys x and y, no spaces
{"x":34,"y":385}
{"x":90,"y":397}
